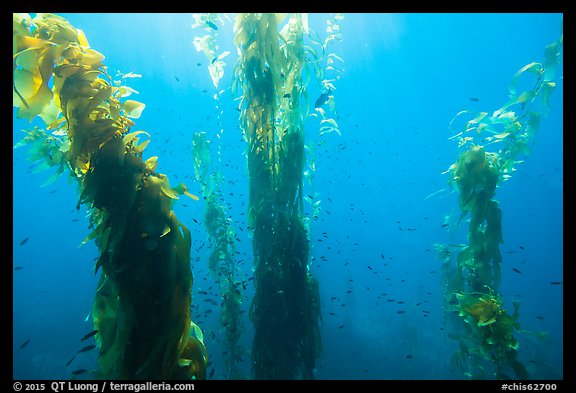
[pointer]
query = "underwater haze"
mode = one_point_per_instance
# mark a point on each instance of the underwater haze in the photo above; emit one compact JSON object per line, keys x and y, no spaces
{"x":382,"y":182}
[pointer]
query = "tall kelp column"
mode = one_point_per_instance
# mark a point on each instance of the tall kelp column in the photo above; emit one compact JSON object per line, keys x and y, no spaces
{"x":285,"y":309}
{"x":221,"y":261}
{"x":142,"y":305}
{"x":219,"y":226}
{"x":485,"y":330}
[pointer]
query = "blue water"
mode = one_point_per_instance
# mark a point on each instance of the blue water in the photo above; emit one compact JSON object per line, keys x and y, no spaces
{"x":406,"y":77}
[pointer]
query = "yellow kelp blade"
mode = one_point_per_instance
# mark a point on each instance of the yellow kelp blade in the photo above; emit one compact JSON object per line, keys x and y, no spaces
{"x":133,"y":108}
{"x":151,"y":163}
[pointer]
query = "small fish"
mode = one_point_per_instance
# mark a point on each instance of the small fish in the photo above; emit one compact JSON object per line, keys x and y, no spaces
{"x":539,"y":317}
{"x":522,"y":247}
{"x":555,"y":283}
{"x":444,"y":225}
{"x":87,"y":348}
{"x":195,"y":220}
{"x":409,"y":356}
{"x":18,"y":268}
{"x":332,"y":313}
{"x":287,"y":95}
{"x":323,"y":99}
{"x":341,"y":326}
{"x":92,"y":333}
{"x":369,"y":267}
{"x":474,"y":99}
{"x":211,"y":25}
{"x":198,"y":64}
{"x":516,"y":270}
{"x":70,"y":361}
{"x":177,"y":79}
{"x":25,"y":343}
{"x":80,"y":371}
{"x":400,"y":312}
{"x":382,"y":256}
{"x":24,"y":241}
{"x":212,"y":373}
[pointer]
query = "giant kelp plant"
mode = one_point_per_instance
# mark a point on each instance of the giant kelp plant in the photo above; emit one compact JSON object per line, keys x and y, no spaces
{"x":485,"y":330}
{"x":219,"y":227}
{"x":285,"y":309}
{"x":142,"y":304}
{"x":221,"y":261}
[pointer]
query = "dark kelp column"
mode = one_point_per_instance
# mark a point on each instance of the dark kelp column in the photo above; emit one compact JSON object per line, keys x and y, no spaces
{"x":485,"y":330}
{"x":285,"y":309}
{"x":142,"y":304}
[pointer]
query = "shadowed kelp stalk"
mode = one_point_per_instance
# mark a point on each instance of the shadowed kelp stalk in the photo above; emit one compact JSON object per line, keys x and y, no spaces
{"x":484,"y":329}
{"x":142,"y":304}
{"x":285,"y":309}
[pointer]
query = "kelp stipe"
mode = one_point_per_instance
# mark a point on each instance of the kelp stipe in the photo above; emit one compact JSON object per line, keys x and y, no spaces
{"x":484,"y":329}
{"x":142,"y":304}
{"x":285,"y":309}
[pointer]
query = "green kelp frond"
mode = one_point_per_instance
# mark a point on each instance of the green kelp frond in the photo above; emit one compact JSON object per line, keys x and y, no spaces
{"x":208,"y":44}
{"x":514,"y":125}
{"x":46,"y":151}
{"x":327,"y":67}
